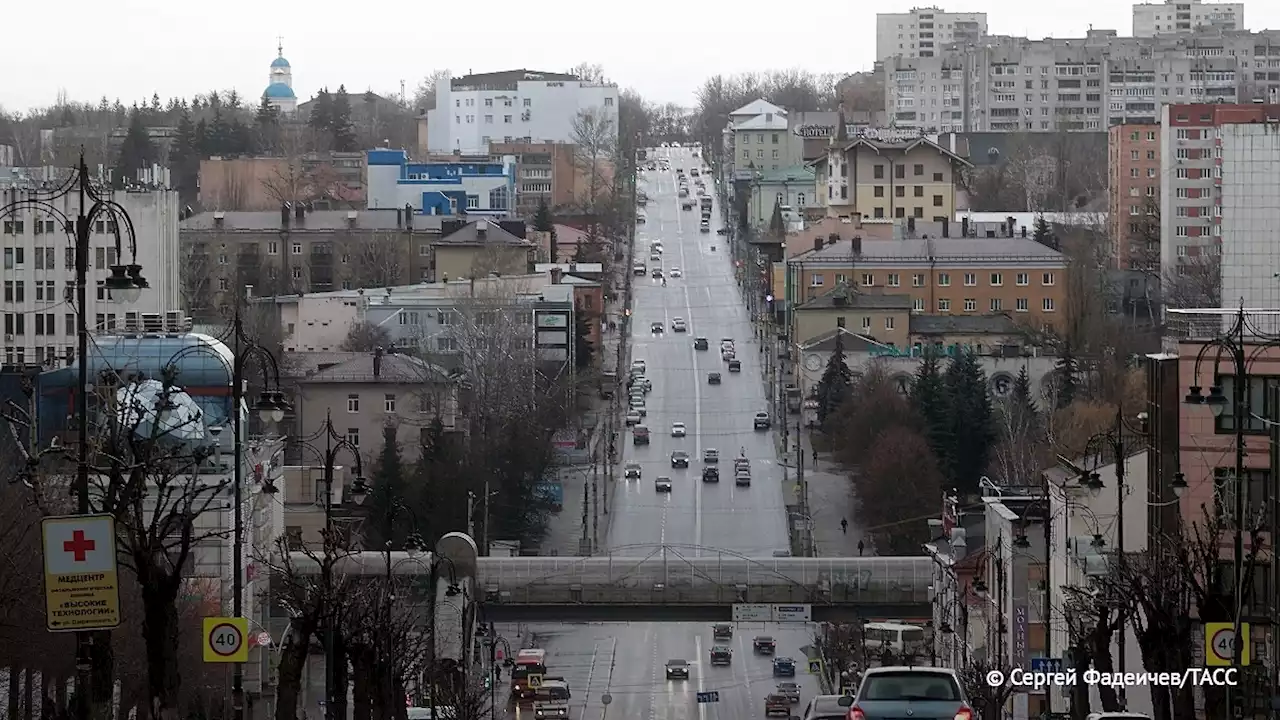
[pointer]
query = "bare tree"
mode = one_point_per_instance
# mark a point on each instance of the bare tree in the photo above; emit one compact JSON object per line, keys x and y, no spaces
{"x":196,"y":280}
{"x":989,"y":700}
{"x":1193,"y":282}
{"x":424,"y":96}
{"x":364,"y":336}
{"x":380,"y":260}
{"x":588,"y":72}
{"x":294,"y":180}
{"x":595,"y":139}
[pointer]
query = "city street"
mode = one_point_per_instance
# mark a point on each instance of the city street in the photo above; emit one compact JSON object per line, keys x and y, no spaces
{"x":627,"y":660}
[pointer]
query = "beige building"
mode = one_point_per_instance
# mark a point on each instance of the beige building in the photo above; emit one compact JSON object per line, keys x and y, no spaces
{"x":366,"y":392}
{"x":942,"y":276}
{"x":888,"y":179}
{"x":330,"y":181}
{"x":479,"y":249}
{"x":304,"y":501}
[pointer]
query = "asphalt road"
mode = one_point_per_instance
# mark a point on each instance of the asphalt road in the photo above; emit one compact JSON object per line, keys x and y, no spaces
{"x":627,"y":660}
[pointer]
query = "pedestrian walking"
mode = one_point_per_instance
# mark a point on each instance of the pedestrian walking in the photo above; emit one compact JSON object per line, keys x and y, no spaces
{"x":844,"y":525}
{"x":815,"y":456}
{"x":861,"y":547}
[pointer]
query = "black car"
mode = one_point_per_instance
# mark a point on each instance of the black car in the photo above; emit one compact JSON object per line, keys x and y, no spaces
{"x":710,"y":474}
{"x":677,"y":670}
{"x":632,"y":471}
{"x":713,"y":378}
{"x":657,"y":328}
{"x":784,"y":667}
{"x":679,"y":459}
{"x":722,"y":631}
{"x":735,"y":366}
{"x":700,"y":344}
{"x":763,"y":644}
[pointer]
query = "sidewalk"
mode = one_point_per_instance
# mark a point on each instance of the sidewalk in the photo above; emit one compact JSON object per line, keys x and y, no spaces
{"x":831,"y":499}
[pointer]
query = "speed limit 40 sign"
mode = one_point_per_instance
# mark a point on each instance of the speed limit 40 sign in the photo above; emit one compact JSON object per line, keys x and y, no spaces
{"x":225,"y":640}
{"x":1219,"y":644}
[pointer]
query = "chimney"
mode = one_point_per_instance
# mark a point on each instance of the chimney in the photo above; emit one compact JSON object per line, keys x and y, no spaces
{"x":300,"y":213}
{"x":399,"y":218}
{"x":377,"y":361}
{"x":408,"y":216}
{"x":911,"y":226}
{"x":1024,"y":231}
{"x":856,"y":245}
{"x":556,"y":275}
{"x":817,"y":243}
{"x":946,"y":227}
{"x":964,"y":226}
{"x":284,"y":215}
{"x":833,"y":238}
{"x":482,"y":228}
{"x":1010,"y":224}
{"x":840,"y":300}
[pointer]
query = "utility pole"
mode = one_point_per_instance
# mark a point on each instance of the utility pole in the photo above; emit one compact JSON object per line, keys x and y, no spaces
{"x":471,"y":514}
{"x":1119,"y":458}
{"x":804,"y":490}
{"x":595,"y":497}
{"x":485,"y":536}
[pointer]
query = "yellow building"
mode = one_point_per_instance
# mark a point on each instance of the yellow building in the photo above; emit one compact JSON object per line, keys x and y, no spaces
{"x":907,"y":178}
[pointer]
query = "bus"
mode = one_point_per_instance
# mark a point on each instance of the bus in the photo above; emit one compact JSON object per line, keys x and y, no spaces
{"x":530,"y":661}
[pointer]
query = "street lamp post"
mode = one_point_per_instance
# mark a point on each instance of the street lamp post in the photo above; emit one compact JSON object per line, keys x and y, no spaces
{"x":271,"y":406}
{"x":1239,"y":353}
{"x":334,"y":444}
{"x":127,"y":283}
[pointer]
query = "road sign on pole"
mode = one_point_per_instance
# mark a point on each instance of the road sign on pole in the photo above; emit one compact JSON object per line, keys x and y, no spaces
{"x":535,"y":682}
{"x":1219,"y":644}
{"x":224,"y":640}
{"x":81,"y":579}
{"x":815,"y":666}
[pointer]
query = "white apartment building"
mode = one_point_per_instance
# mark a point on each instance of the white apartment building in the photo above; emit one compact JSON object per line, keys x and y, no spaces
{"x":923,"y":32}
{"x":1014,"y":84}
{"x":756,"y":137}
{"x":38,"y":274}
{"x":1174,"y":16}
{"x":1248,"y":214}
{"x":514,"y":106}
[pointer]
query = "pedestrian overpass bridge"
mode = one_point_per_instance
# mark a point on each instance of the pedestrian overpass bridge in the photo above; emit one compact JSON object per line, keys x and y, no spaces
{"x":666,"y":582}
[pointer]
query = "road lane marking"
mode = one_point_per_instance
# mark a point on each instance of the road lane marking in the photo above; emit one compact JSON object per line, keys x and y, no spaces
{"x":702,"y":683}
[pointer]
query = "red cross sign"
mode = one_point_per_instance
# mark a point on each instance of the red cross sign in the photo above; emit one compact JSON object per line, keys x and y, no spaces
{"x":79,"y":546}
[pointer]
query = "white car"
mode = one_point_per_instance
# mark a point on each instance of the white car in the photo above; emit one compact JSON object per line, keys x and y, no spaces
{"x":678,"y":430}
{"x":675,"y":272}
{"x":633,"y":418}
{"x":678,"y":325}
{"x":638,"y":365}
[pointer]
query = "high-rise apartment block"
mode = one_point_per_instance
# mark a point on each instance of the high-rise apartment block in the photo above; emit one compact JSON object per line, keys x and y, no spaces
{"x":1194,"y":168}
{"x":1133,"y":169}
{"x":923,"y":32}
{"x":1180,"y":16}
{"x":1018,"y":85}
{"x":1248,"y":212}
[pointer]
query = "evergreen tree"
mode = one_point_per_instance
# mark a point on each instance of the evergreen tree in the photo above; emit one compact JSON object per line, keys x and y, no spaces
{"x":202,"y":138}
{"x":344,"y":133}
{"x":542,"y":219}
{"x":321,"y":118}
{"x":581,"y":253}
{"x":1068,"y":375}
{"x":388,"y":487}
{"x":185,"y":158}
{"x":266,"y":127}
{"x":584,"y":350}
{"x":834,"y":386}
{"x":1022,"y":396}
{"x":1041,"y":232}
{"x":971,"y":422}
{"x":136,"y":152}
{"x":218,"y":134}
{"x":930,"y":399}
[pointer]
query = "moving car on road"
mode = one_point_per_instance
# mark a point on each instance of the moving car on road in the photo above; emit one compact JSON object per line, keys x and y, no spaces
{"x":776,"y":704}
{"x":675,"y":272}
{"x":678,"y":429}
{"x":551,"y":699}
{"x":722,"y":631}
{"x":789,"y":690}
{"x":678,"y":325}
{"x":632,"y":471}
{"x":742,"y":477}
{"x":677,"y":670}
{"x":763,"y":645}
{"x":640,"y":435}
{"x":919,"y":693}
{"x":721,"y":655}
{"x":713,"y":378}
{"x":657,"y":328}
{"x":656,"y":274}
{"x":679,"y":459}
{"x":700,"y":344}
{"x":710,"y":455}
{"x":762,"y":421}
{"x":735,"y":365}
{"x":710,"y":474}
{"x":662,"y":484}
{"x":784,"y":667}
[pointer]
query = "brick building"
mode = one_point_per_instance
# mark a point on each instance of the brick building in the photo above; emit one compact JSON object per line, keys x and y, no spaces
{"x":1133,"y":187}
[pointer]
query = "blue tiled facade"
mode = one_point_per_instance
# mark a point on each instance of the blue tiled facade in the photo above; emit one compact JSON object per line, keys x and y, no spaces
{"x":442,"y":188}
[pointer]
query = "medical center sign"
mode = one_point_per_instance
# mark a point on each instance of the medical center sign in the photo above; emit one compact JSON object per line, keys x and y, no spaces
{"x":81,"y":578}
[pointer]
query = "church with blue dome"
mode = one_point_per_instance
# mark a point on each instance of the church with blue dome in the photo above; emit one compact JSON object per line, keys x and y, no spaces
{"x":279,"y":90}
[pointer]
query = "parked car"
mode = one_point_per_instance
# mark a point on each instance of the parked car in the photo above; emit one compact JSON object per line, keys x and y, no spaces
{"x":640,"y":435}
{"x":713,"y":378}
{"x":633,"y":418}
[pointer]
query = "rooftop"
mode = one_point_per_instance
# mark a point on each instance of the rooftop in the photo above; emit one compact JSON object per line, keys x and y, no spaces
{"x":392,"y":368}
{"x":533,"y":285}
{"x":316,"y":220}
{"x":843,"y":296}
{"x":758,"y":107}
{"x":939,"y":249}
{"x":795,"y":173}
{"x":506,"y":79}
{"x":850,"y":341}
{"x":993,"y":324}
{"x":482,"y":232}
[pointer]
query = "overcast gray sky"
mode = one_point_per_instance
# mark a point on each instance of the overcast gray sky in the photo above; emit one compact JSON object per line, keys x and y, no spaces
{"x":129,"y":49}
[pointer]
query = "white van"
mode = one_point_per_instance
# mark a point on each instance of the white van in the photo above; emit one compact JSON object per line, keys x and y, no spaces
{"x":897,"y":637}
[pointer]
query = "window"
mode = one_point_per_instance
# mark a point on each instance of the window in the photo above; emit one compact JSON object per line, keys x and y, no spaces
{"x":297,"y":248}
{"x":841,"y":278}
{"x":878,"y":172}
{"x":446,"y":344}
{"x":944,"y":305}
{"x":506,"y":119}
{"x":296,"y":273}
{"x":816,"y":280}
{"x":389,"y":402}
{"x":878,"y":191}
{"x":1046,"y":279}
{"x":224,"y":284}
{"x":1021,"y":279}
{"x":866,"y":323}
{"x":970,"y":304}
{"x":1257,"y":391}
{"x":944,"y":280}
{"x":868,"y":280}
{"x":353,"y":403}
{"x":446,"y":317}
{"x":917,"y":191}
{"x":900,"y":171}
{"x":353,"y":437}
{"x":996,"y":305}
{"x":273,"y":247}
{"x":1021,"y":305}
{"x":893,"y":280}
{"x":917,"y":170}
{"x":937,"y":201}
{"x":1047,"y":305}
{"x":917,"y":305}
{"x":917,"y":280}
{"x":888,"y":322}
{"x":937,"y":177}
{"x":488,"y":119}
{"x":900,"y":191}
{"x":970,"y":279}
{"x":997,"y":279}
